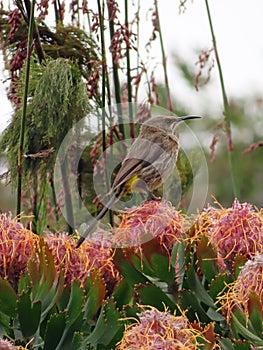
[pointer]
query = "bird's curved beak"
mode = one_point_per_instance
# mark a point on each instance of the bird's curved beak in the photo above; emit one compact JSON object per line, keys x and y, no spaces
{"x":189,"y":117}
{"x":180,"y":119}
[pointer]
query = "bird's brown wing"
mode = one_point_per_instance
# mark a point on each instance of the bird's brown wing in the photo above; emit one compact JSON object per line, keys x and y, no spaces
{"x":143,"y":152}
{"x":130,"y":166}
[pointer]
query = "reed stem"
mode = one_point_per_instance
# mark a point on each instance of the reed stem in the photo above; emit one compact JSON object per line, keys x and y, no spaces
{"x":227,"y":113}
{"x":24,"y":110}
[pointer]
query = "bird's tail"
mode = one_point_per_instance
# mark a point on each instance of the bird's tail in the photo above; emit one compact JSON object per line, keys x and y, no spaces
{"x":108,"y":206}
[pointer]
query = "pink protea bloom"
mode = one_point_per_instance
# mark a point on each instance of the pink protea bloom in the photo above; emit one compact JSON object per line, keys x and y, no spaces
{"x":99,"y":249}
{"x":17,"y":246}
{"x":78,"y":263}
{"x":158,"y":330}
{"x":236,"y":230}
{"x":249,"y":281}
{"x":152,"y":219}
{"x":6,"y":345}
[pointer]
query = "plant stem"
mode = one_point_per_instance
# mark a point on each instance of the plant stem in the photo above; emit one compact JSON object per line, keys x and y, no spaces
{"x":35,"y":198}
{"x":24,"y":108}
{"x":67,"y":194}
{"x":227,"y":113}
{"x":129,"y":83}
{"x":53,"y":193}
{"x":116,"y":75}
{"x":103,"y":98}
{"x":169,"y":100}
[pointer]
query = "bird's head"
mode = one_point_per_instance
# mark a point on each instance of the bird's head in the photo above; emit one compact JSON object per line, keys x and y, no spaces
{"x":167,"y":123}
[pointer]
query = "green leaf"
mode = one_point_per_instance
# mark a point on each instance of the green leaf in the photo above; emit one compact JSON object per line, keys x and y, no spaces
{"x":7,"y":298}
{"x":242,"y":330}
{"x":24,"y":283}
{"x":55,"y":329}
{"x":4,"y":322}
{"x":219,"y":284}
{"x":108,"y":326}
{"x":66,"y":341}
{"x":243,"y":345}
{"x":122,"y":294}
{"x":255,"y":314}
{"x":42,"y":271}
{"x":239,"y":261}
{"x":150,"y":294}
{"x":214,"y":315}
{"x":198,"y":289}
{"x":62,"y":302}
{"x":132,"y":275}
{"x":53,"y":294}
{"x":140,"y":263}
{"x":96,"y":294}
{"x":206,"y":258}
{"x":178,"y":261}
{"x":29,"y":314}
{"x":189,"y":302}
{"x":226,"y":344}
{"x":77,"y":341}
{"x":75,"y":303}
{"x":162,"y":268}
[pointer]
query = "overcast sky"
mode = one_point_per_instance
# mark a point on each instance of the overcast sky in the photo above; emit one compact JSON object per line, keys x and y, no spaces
{"x":238,"y":27}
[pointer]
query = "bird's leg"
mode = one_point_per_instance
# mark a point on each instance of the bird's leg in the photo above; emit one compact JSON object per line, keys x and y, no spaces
{"x":143,"y":197}
{"x":143,"y":189}
{"x":150,"y":195}
{"x":95,"y":221}
{"x":153,"y":196}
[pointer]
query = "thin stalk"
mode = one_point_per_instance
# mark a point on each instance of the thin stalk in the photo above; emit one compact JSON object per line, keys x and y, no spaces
{"x":78,"y":14}
{"x":227,"y":114}
{"x":35,"y":33}
{"x":58,"y":12}
{"x":116,"y":75}
{"x":138,"y":35}
{"x":164,"y":61}
{"x":137,"y":48}
{"x":129,"y":82}
{"x":54,"y":198}
{"x":67,"y":194}
{"x":103,"y":100}
{"x":24,"y":109}
{"x":35,"y":198}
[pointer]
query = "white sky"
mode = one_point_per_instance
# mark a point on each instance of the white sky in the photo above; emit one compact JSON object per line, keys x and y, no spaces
{"x":238,"y":27}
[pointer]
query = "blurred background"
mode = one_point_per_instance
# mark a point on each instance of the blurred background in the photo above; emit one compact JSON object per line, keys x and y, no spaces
{"x":172,"y":56}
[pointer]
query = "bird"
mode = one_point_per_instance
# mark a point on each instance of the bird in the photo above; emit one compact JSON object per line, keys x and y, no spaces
{"x":149,"y":162}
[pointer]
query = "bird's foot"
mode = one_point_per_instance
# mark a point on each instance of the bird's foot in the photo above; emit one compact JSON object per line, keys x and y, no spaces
{"x":154,"y":197}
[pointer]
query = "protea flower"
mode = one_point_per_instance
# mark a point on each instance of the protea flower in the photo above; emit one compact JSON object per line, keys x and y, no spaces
{"x":6,"y":345}
{"x":77,"y":263}
{"x":232,"y":231}
{"x":17,"y":245}
{"x":152,"y":219}
{"x":100,"y":252}
{"x":158,"y":330}
{"x":249,"y":281}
